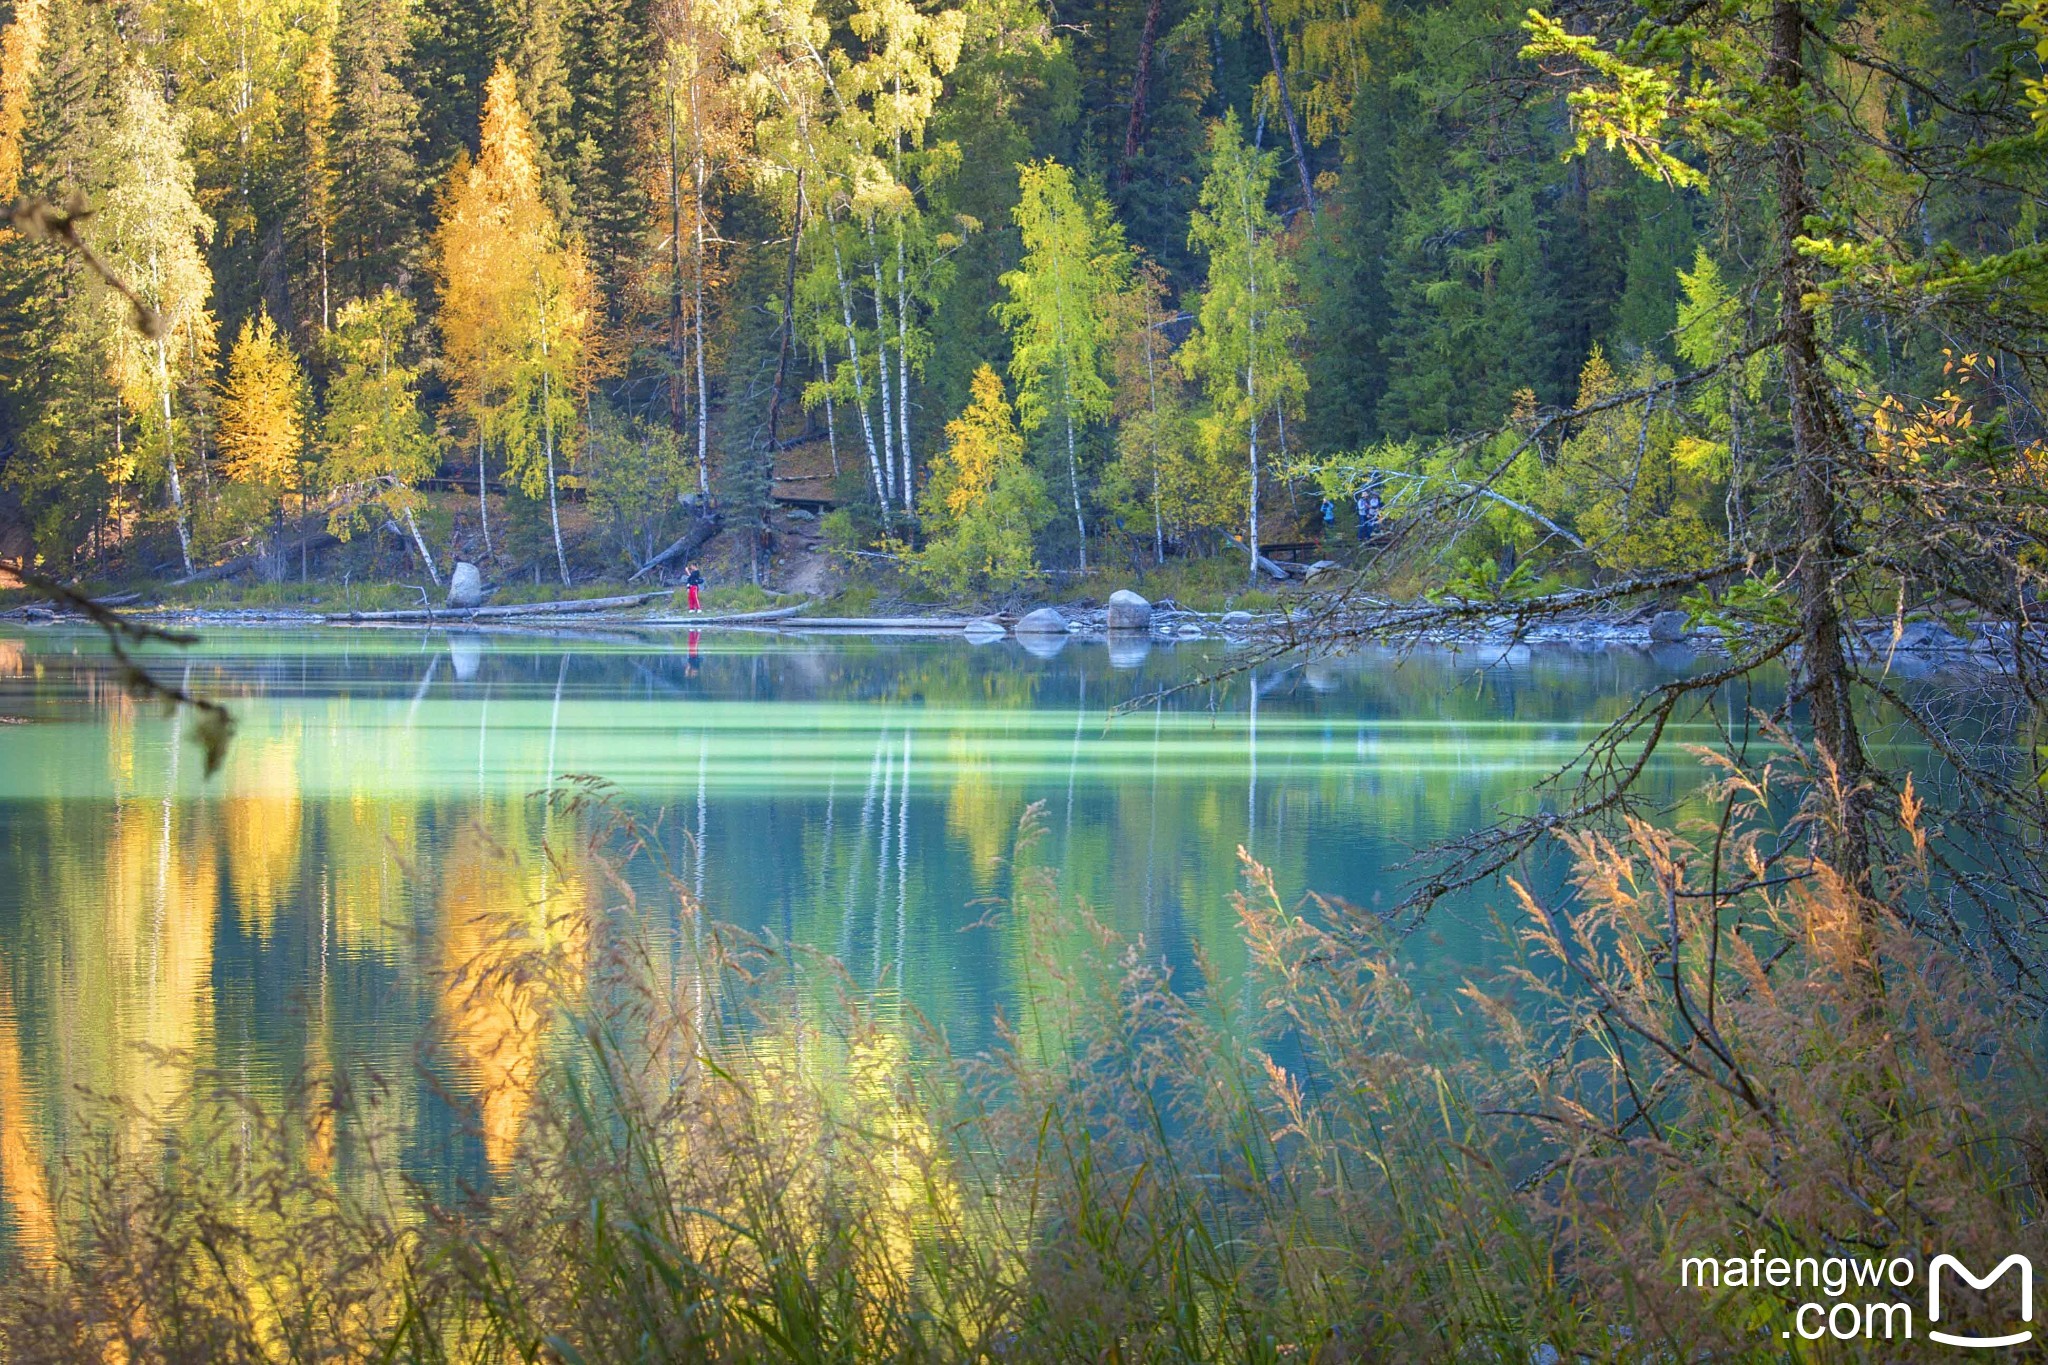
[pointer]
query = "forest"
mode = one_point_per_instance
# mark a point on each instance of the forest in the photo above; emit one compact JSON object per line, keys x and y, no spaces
{"x":1001,"y":289}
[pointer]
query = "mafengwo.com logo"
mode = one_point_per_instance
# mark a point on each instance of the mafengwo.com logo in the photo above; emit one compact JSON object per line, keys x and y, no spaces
{"x":1856,"y":1298}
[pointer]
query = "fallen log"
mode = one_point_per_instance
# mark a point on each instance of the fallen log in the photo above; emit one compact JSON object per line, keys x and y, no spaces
{"x":571,"y":607}
{"x":1265,"y":565}
{"x":686,"y":544}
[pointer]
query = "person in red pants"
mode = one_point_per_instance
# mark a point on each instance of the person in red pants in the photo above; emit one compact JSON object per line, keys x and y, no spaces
{"x":694,"y":580}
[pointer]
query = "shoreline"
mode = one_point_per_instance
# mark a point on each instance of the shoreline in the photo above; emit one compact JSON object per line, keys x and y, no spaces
{"x":1919,"y":646}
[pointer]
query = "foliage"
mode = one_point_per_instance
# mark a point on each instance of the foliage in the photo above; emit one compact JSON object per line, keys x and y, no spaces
{"x":151,"y":233}
{"x":375,"y":444}
{"x":263,"y":414}
{"x":983,"y":503}
{"x":1059,"y":310}
{"x":638,"y":475}
{"x":1242,"y":351}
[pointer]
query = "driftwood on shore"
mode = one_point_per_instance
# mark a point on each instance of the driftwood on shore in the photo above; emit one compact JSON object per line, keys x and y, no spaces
{"x":573,"y":606}
{"x":1266,"y":566}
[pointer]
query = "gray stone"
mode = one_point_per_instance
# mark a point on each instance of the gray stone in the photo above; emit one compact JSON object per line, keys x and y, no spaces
{"x":465,"y":586}
{"x":1668,"y":627}
{"x":1237,"y":620}
{"x":1044,"y":621}
{"x":1129,"y":611}
{"x":1189,"y":630}
{"x":1322,"y":566}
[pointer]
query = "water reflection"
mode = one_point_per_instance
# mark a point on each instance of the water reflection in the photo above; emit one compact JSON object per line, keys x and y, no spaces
{"x":346,"y":889}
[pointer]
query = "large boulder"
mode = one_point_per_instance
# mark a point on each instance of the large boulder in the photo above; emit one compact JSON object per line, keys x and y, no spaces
{"x":1668,"y":627}
{"x":1237,"y":620}
{"x":465,"y":587}
{"x":1321,"y":567}
{"x":1044,"y":621}
{"x":1129,"y":612}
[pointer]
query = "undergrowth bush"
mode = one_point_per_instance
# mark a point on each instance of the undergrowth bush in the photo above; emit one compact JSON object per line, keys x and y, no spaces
{"x":1693,"y":1052}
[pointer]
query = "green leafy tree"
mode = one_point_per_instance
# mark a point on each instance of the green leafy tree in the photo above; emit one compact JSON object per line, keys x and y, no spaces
{"x":984,"y":504}
{"x":375,"y":444}
{"x":638,"y":473}
{"x":1062,"y":300}
{"x":1243,"y":347}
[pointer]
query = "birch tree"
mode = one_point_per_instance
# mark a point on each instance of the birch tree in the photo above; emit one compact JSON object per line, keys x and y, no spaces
{"x":151,"y":232}
{"x":1242,"y":350}
{"x":691,"y":117}
{"x":1062,"y":299}
{"x":515,"y":308}
{"x":841,"y":139}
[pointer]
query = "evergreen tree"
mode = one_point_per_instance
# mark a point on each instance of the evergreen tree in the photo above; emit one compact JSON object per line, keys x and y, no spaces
{"x":608,"y":71}
{"x":376,"y":130}
{"x":67,"y":446}
{"x":1344,"y":280}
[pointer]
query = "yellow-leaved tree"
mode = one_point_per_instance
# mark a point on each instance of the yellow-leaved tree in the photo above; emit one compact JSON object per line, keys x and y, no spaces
{"x":262,"y":428}
{"x":516,"y":305}
{"x":984,"y":504}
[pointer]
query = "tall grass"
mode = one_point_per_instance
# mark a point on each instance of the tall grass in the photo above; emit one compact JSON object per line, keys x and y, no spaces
{"x":1698,"y":1051}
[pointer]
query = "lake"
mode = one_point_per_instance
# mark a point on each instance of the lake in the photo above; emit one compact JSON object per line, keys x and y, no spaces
{"x":309,"y":905}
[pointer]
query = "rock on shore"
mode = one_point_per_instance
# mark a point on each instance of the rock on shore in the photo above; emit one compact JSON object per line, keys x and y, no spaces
{"x":1128,"y":612}
{"x":1044,"y":621}
{"x":465,"y":587}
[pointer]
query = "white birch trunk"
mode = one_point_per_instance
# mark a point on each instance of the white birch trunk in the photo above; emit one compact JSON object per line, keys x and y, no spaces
{"x":882,"y":371}
{"x":163,"y":385}
{"x":860,"y":397}
{"x":419,"y":540}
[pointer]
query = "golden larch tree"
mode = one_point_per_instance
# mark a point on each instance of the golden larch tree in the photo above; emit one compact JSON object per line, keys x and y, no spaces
{"x":262,"y":429}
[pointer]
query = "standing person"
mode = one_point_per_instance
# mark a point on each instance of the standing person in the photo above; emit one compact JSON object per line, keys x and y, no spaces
{"x":694,"y":580}
{"x":1329,"y":515}
{"x":1359,"y":500}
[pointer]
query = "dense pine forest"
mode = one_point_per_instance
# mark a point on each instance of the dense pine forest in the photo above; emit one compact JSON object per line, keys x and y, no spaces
{"x":1003,"y":287}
